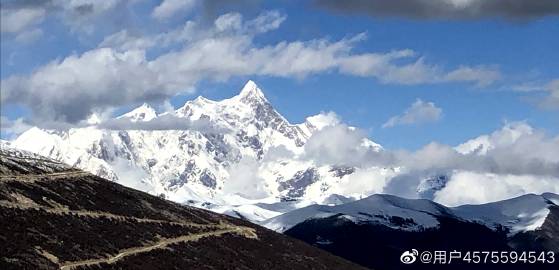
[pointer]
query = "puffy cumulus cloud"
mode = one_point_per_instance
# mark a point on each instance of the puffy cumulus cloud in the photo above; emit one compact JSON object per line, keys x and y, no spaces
{"x":476,"y":188}
{"x":131,"y":176}
{"x":351,"y":148}
{"x":323,"y":119}
{"x":364,"y":182}
{"x":514,"y":160}
{"x":72,"y":88}
{"x":518,"y":148}
{"x":524,"y":158}
{"x":515,"y":149}
{"x":446,"y":9}
{"x":503,"y":137}
{"x":245,"y":181}
{"x":419,"y":112}
{"x":168,"y":8}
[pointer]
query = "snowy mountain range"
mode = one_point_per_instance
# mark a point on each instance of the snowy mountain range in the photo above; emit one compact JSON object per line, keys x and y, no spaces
{"x":383,"y":225}
{"x":376,"y":230}
{"x":520,"y":214}
{"x":236,"y":151}
{"x":237,"y":156}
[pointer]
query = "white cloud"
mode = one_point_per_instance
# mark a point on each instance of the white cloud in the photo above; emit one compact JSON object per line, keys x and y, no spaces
{"x":364,"y":182}
{"x":124,"y":41}
{"x":107,"y":77}
{"x":13,"y":128}
{"x":476,"y":188}
{"x":419,"y":112}
{"x":504,"y":137}
{"x":131,"y":176}
{"x":350,"y":147}
{"x":29,"y":36}
{"x":168,"y":8}
{"x":514,"y":160}
{"x":547,"y":93}
{"x":162,"y":122}
{"x":245,"y":181}
{"x":14,"y":21}
{"x":324,"y":119}
{"x":515,"y":149}
{"x":82,"y":16}
{"x":70,"y":89}
{"x":481,"y":75}
{"x":551,"y":100}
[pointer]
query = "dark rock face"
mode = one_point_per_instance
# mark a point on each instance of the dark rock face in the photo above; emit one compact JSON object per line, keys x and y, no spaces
{"x":187,"y":175}
{"x":217,"y":146}
{"x":56,"y":217}
{"x":301,"y":180}
{"x":252,"y":142}
{"x":433,"y":184}
{"x":380,"y":247}
{"x":101,"y":151}
{"x":340,"y":171}
{"x":208,"y":179}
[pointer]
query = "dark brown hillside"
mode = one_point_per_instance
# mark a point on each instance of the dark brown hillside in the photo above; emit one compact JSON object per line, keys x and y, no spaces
{"x":56,"y":217}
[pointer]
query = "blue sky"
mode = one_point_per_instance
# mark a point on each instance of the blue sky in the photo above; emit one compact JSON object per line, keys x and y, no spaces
{"x":511,"y":59}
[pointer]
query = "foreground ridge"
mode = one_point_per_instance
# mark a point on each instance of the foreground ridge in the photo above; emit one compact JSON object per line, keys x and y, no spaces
{"x":57,"y":217}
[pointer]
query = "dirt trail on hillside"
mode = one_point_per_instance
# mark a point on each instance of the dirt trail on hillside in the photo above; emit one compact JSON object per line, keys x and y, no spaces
{"x":34,"y":177}
{"x":227,"y":228}
{"x":19,"y":201}
{"x":93,"y":214}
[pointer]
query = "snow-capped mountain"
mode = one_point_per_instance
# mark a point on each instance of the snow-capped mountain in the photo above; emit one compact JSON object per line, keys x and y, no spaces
{"x":142,"y":113}
{"x":376,"y":230}
{"x":222,"y":153}
{"x":520,"y":214}
{"x":382,"y":209}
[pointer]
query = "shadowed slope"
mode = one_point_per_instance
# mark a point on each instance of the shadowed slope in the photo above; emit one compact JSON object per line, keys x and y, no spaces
{"x":55,"y":217}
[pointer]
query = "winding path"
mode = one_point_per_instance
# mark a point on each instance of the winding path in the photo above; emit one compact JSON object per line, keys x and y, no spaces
{"x":21,"y":202}
{"x":240,"y":230}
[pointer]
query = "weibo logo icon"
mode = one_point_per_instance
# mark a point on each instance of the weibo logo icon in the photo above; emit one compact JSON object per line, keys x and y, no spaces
{"x":409,"y":257}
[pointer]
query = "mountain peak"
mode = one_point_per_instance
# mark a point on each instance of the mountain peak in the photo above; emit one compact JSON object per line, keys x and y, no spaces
{"x":142,"y":113}
{"x":251,"y":91}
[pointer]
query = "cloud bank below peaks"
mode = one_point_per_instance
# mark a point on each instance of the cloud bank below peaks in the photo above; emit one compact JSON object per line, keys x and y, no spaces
{"x":514,"y":160}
